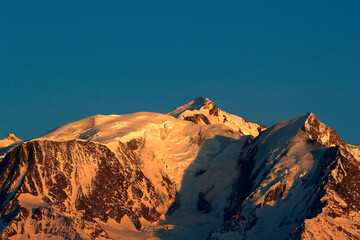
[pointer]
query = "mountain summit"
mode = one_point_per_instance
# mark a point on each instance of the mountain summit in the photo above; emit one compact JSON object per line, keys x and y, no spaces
{"x":203,"y":111}
{"x":318,"y":131}
{"x":10,"y":139}
{"x":195,"y":104}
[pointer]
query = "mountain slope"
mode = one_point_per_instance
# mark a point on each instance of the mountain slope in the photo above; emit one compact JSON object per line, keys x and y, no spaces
{"x":294,"y":178}
{"x":72,"y":189}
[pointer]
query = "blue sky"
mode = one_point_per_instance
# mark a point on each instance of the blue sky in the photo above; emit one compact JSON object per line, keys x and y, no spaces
{"x":267,"y":61}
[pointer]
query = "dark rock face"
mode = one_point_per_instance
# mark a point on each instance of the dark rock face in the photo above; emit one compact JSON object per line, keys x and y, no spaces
{"x":214,"y":111}
{"x":201,"y":118}
{"x":77,"y":182}
{"x":198,"y":118}
{"x":349,"y":188}
{"x":261,"y":128}
{"x":275,"y":194}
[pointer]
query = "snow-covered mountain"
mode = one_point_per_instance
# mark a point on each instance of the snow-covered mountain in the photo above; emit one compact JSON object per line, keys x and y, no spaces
{"x":194,"y":173}
{"x":297,"y":180}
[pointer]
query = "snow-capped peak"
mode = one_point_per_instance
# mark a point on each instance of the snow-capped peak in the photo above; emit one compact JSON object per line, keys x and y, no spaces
{"x":10,"y":139}
{"x":321,"y":133}
{"x":195,"y":104}
{"x":308,"y":124}
{"x":204,"y":112}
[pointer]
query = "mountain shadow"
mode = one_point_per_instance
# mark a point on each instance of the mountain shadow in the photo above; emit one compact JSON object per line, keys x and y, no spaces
{"x":205,"y":190}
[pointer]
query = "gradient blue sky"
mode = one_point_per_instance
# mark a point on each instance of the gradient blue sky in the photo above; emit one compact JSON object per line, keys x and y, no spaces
{"x":267,"y":61}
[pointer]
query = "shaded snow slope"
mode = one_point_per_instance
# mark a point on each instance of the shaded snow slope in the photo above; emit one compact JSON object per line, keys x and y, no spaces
{"x":203,"y":111}
{"x":206,"y":188}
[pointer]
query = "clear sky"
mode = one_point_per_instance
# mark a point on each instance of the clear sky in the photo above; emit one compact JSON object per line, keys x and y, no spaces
{"x":267,"y":61}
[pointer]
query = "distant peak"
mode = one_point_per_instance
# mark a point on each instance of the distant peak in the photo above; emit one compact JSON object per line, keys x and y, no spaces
{"x":12,"y":137}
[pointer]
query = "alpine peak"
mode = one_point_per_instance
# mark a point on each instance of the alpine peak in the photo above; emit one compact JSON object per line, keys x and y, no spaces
{"x":195,"y":104}
{"x":203,"y":111}
{"x":311,"y":126}
{"x":321,"y":133}
{"x":12,"y":137}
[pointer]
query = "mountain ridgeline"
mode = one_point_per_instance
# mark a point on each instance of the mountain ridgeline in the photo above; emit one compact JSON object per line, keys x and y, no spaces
{"x":195,"y":173}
